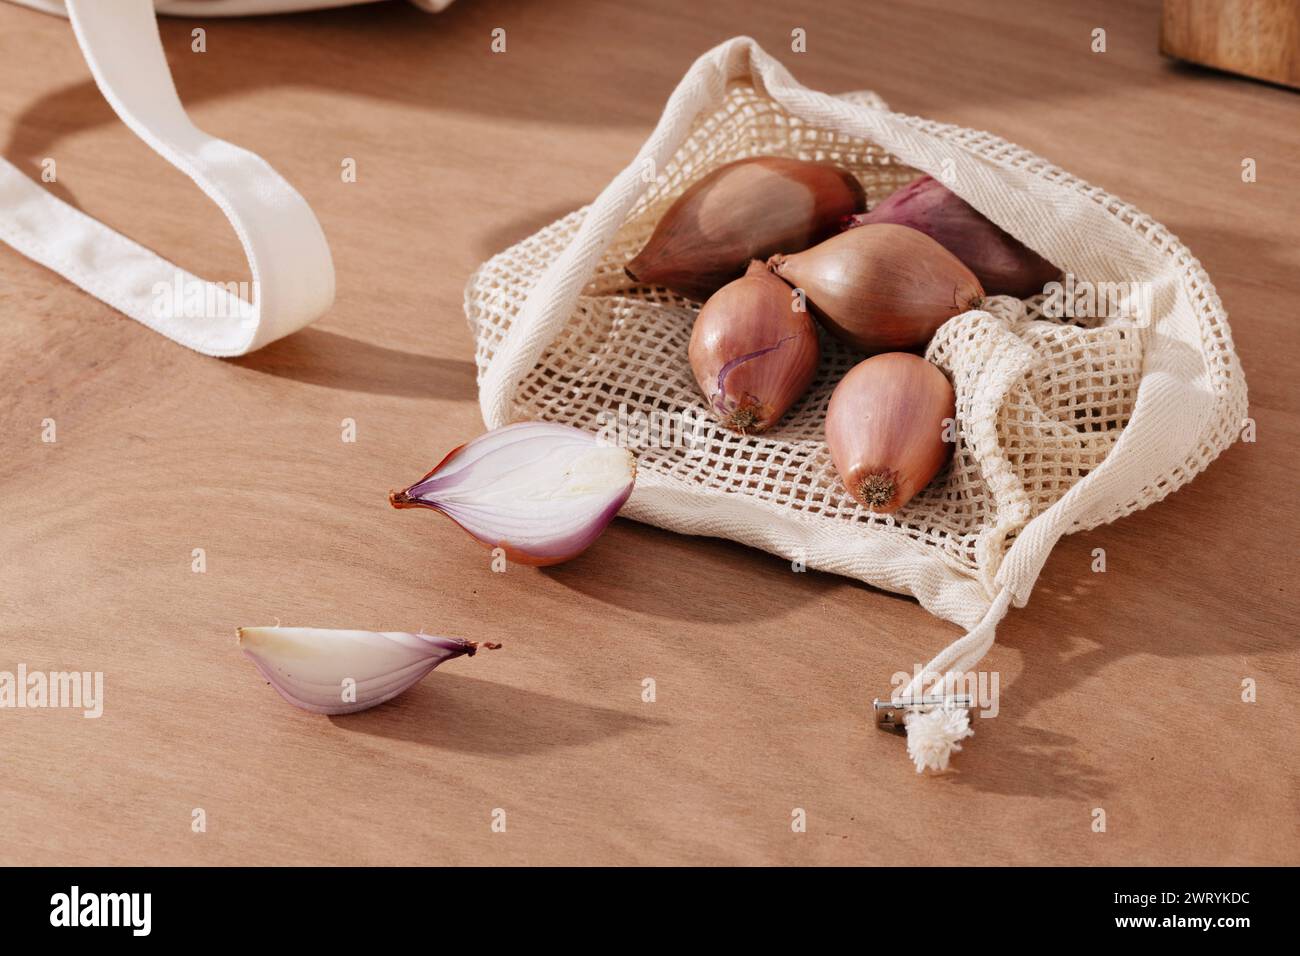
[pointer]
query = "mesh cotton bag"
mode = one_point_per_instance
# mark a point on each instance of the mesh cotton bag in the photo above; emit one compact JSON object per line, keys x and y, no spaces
{"x":1064,"y":424}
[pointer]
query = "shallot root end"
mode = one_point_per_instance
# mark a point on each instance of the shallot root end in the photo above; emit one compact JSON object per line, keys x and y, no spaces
{"x":400,"y":499}
{"x":877,"y":490}
{"x":744,"y":420}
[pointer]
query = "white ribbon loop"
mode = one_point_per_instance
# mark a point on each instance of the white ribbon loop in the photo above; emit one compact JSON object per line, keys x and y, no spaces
{"x":288,"y":257}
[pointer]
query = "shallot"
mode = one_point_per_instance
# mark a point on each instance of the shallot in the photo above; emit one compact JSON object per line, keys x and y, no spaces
{"x":889,"y":428}
{"x":749,"y":209}
{"x":540,"y":491}
{"x":881,"y":287}
{"x":1003,"y":264}
{"x":329,"y":671}
{"x":754,"y":350}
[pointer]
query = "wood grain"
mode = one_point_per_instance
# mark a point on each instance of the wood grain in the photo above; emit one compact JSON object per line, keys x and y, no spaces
{"x":1120,"y":691}
{"x":1256,"y":38}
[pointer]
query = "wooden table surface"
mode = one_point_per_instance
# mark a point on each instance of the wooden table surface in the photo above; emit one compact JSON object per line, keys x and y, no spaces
{"x":1120,"y":691}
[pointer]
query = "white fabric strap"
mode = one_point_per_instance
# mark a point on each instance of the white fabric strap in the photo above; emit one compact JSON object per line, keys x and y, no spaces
{"x":288,"y":257}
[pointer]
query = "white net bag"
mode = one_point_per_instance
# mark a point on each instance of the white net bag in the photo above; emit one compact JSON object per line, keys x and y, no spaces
{"x":1072,"y":412}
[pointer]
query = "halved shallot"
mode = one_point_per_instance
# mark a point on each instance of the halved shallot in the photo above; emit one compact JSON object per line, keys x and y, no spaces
{"x":541,"y":491}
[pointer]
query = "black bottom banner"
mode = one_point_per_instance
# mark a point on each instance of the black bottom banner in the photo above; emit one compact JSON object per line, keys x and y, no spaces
{"x":335,"y":906}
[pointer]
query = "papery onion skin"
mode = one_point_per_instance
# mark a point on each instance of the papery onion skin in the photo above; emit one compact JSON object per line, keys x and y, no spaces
{"x":1003,"y":264}
{"x":753,"y":354}
{"x":541,"y":516}
{"x":886,"y":427}
{"x":749,"y":209}
{"x":308,"y":666}
{"x":881,"y":287}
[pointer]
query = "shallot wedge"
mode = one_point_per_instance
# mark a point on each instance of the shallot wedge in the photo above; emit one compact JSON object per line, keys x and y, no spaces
{"x":329,"y":671}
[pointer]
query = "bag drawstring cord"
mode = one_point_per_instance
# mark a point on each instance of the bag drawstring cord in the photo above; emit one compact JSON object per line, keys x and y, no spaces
{"x":933,"y":736}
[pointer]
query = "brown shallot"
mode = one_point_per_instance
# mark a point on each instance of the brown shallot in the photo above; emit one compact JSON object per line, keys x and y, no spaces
{"x":881,"y":287}
{"x":889,"y":428}
{"x":753,"y":350}
{"x":749,"y":209}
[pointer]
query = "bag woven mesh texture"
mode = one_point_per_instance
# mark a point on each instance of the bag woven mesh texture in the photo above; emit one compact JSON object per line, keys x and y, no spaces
{"x":1042,"y":402}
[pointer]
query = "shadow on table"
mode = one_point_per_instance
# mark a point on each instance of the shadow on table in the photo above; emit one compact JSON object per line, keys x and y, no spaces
{"x":738,"y":583}
{"x":470,"y":715}
{"x":503,"y":236}
{"x":581,"y":62}
{"x":317,"y":357}
{"x":388,"y":51}
{"x":1073,"y":630}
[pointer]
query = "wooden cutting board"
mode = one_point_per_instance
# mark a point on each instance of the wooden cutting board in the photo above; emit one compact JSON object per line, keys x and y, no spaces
{"x":1256,"y":38}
